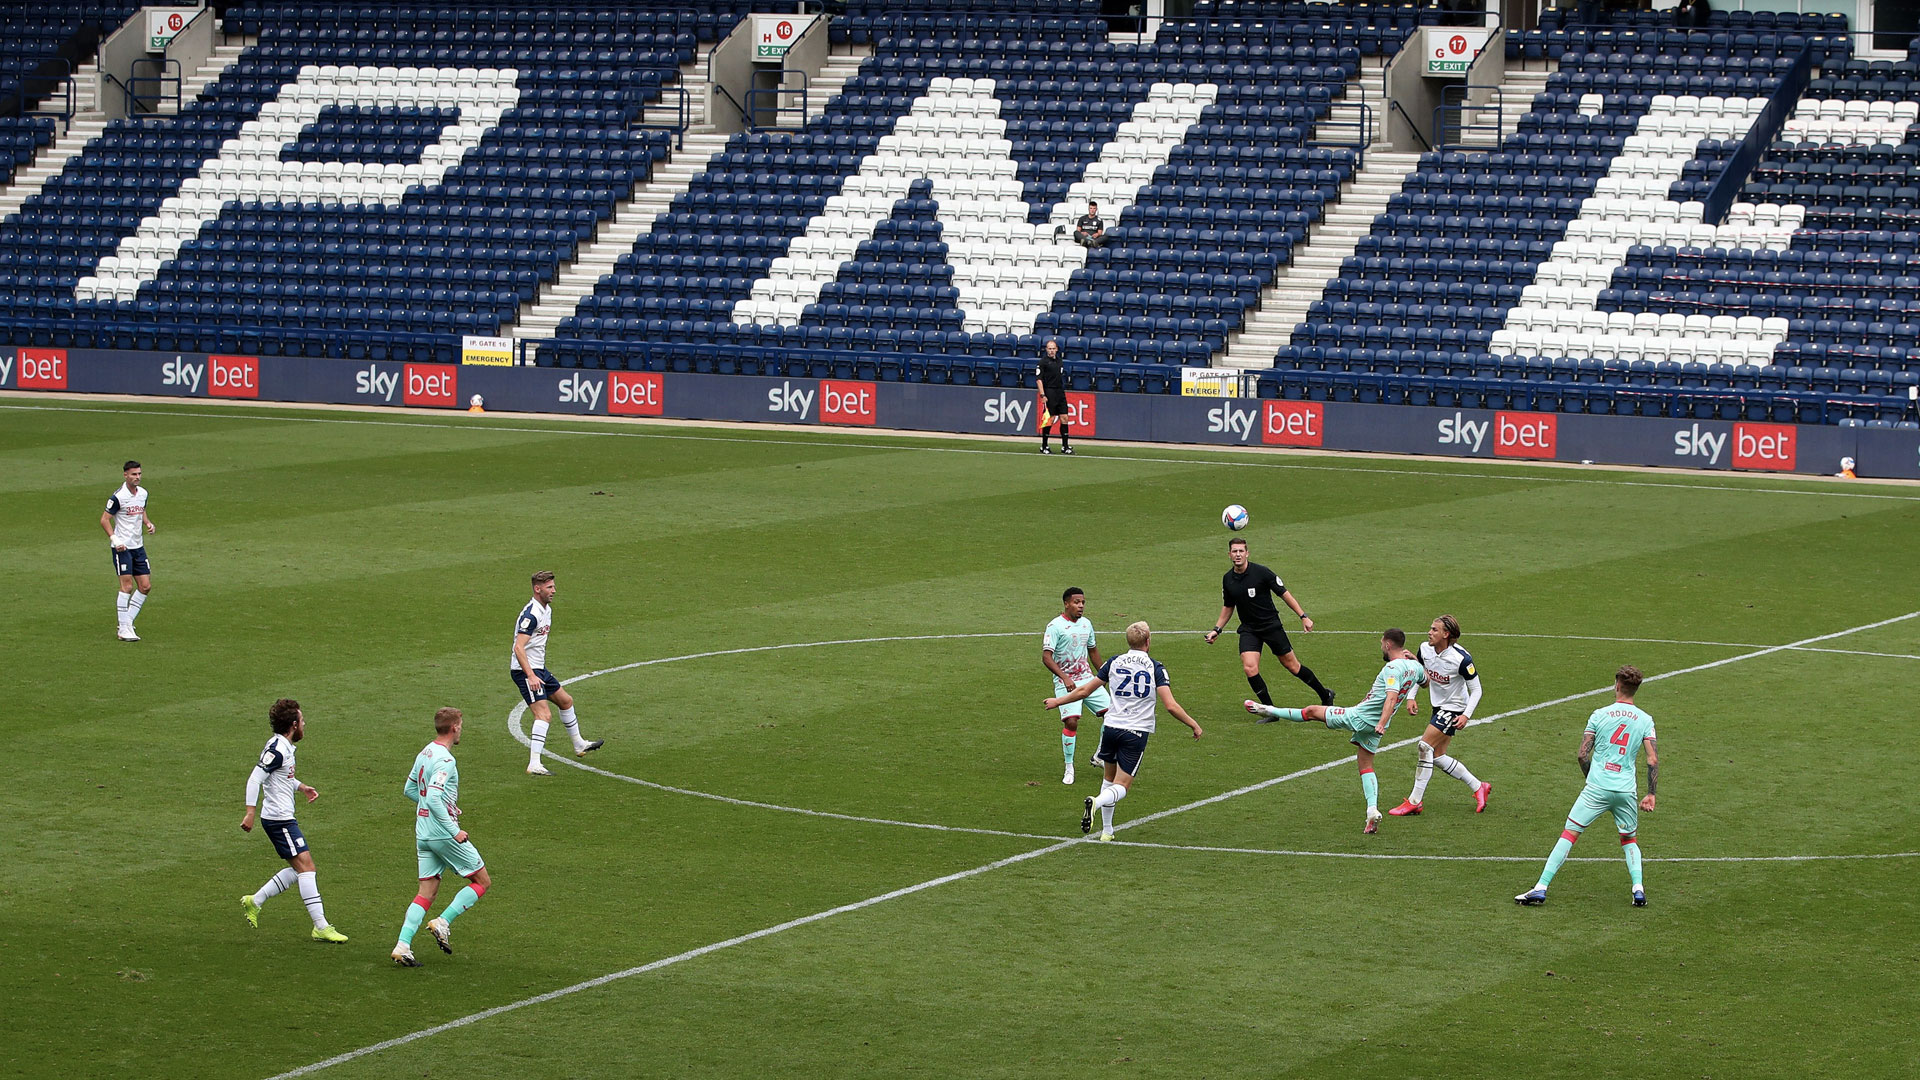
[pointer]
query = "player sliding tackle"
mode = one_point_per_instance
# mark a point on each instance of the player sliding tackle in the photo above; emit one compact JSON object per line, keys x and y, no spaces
{"x":1136,"y":681}
{"x":1368,"y":720}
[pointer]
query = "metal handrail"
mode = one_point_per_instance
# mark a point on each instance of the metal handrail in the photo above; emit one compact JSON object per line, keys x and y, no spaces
{"x":61,"y":86}
{"x":159,"y":81}
{"x":1459,"y":109}
{"x":683,"y":112}
{"x":804,"y":90}
{"x":1412,"y":127}
{"x":778,"y":110}
{"x":1364,"y":125}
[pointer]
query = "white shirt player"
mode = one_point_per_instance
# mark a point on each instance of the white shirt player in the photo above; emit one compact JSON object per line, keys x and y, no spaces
{"x":1453,"y":683}
{"x":535,"y":621}
{"x":129,"y":510}
{"x":273,"y":782}
{"x":1134,"y":679}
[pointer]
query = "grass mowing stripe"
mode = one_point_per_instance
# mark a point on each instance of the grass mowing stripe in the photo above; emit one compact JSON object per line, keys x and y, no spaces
{"x":761,"y":440}
{"x":1011,"y":860}
{"x":656,"y":965}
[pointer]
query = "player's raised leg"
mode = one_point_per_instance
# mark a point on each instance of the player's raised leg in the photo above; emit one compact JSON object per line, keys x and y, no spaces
{"x":1267,"y":714}
{"x":582,"y":746}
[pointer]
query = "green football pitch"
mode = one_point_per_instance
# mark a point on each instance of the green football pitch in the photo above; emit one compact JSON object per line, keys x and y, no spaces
{"x":827,"y":835}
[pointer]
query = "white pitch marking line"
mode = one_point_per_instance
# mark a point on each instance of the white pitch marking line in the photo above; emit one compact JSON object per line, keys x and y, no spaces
{"x":962,"y":875}
{"x":749,"y":438}
{"x":519,"y":710}
{"x":1507,"y":858}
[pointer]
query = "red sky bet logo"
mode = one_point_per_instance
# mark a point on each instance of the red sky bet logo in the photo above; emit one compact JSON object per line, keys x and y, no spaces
{"x":42,"y":369}
{"x":847,"y":403}
{"x":1082,"y":414}
{"x":636,"y":393}
{"x":1292,"y":423}
{"x":233,"y":376}
{"x":431,"y":384}
{"x":1525,"y":434}
{"x":1762,"y":446}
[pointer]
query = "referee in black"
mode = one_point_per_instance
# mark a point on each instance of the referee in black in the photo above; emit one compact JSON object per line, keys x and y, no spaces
{"x":1053,"y":387}
{"x":1250,"y":588}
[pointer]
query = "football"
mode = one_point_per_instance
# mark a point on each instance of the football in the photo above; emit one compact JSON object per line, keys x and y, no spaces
{"x":1234,"y":517}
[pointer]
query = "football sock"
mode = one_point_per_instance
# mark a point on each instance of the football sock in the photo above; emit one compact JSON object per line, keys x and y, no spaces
{"x":460,"y":903}
{"x":1630,"y":847}
{"x":1066,"y":744}
{"x":120,"y":602}
{"x":134,"y":600}
{"x":1371,"y":787}
{"x":416,"y":914}
{"x":1259,"y":689}
{"x":275,"y":885}
{"x":1106,"y":819}
{"x":1066,"y":435}
{"x":1110,"y":794}
{"x":573,"y":727}
{"x":1422,"y":772}
{"x":1306,"y":675}
{"x":1288,"y":714}
{"x":538,"y":739}
{"x":1560,"y":850}
{"x":310,"y":892}
{"x":1452,"y":767}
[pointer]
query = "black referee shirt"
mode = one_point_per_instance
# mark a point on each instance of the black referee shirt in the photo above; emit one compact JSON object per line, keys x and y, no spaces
{"x":1252,"y":595}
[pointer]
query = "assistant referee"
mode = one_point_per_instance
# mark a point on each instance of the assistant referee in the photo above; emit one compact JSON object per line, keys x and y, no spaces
{"x":1250,"y":588}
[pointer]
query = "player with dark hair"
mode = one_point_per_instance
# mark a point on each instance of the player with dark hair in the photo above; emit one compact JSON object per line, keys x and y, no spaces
{"x":1068,"y":650}
{"x":1250,"y":588}
{"x":433,"y":786}
{"x":1454,"y":692}
{"x":1366,"y":722}
{"x":126,"y":524}
{"x":528,"y":667}
{"x":1608,"y":747}
{"x":273,"y":776}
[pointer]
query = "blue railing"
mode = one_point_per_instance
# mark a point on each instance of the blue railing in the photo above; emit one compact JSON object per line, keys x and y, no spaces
{"x":683,"y":113}
{"x":775,"y":94}
{"x":168,"y":75}
{"x":1733,"y":175}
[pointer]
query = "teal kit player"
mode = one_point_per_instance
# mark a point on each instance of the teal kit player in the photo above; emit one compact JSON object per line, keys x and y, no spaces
{"x":433,"y":785}
{"x":1608,"y":748}
{"x":1069,"y":651}
{"x":1366,"y":722}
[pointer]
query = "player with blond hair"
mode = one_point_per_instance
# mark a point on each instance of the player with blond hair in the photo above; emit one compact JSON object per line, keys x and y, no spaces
{"x":1136,"y":682}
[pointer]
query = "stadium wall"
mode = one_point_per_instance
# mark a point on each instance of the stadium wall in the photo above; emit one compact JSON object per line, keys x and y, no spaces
{"x":1482,"y":433}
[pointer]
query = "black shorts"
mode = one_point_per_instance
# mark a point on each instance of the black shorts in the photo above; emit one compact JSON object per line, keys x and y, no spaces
{"x":131,"y":563}
{"x":1447,"y":721}
{"x":1056,"y":401}
{"x":288,"y":841}
{"x":1275,"y":639}
{"x":539,"y":688}
{"x":1123,"y":747}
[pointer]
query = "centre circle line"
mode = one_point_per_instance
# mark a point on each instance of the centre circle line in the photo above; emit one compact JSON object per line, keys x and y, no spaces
{"x":518,"y":712}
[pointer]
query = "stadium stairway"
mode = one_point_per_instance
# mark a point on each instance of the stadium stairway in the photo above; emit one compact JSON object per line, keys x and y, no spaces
{"x":89,"y":122}
{"x":632,"y":217}
{"x":1295,"y":288}
{"x":1332,"y":240}
{"x":839,"y":67}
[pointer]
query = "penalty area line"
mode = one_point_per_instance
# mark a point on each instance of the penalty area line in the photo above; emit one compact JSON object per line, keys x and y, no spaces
{"x":1211,"y":848}
{"x":985,"y":868}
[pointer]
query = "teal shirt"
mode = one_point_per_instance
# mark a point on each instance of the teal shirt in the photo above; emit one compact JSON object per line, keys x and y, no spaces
{"x":1617,"y":730}
{"x":1070,"y":642}
{"x":1398,"y":675}
{"x":434,"y":787}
